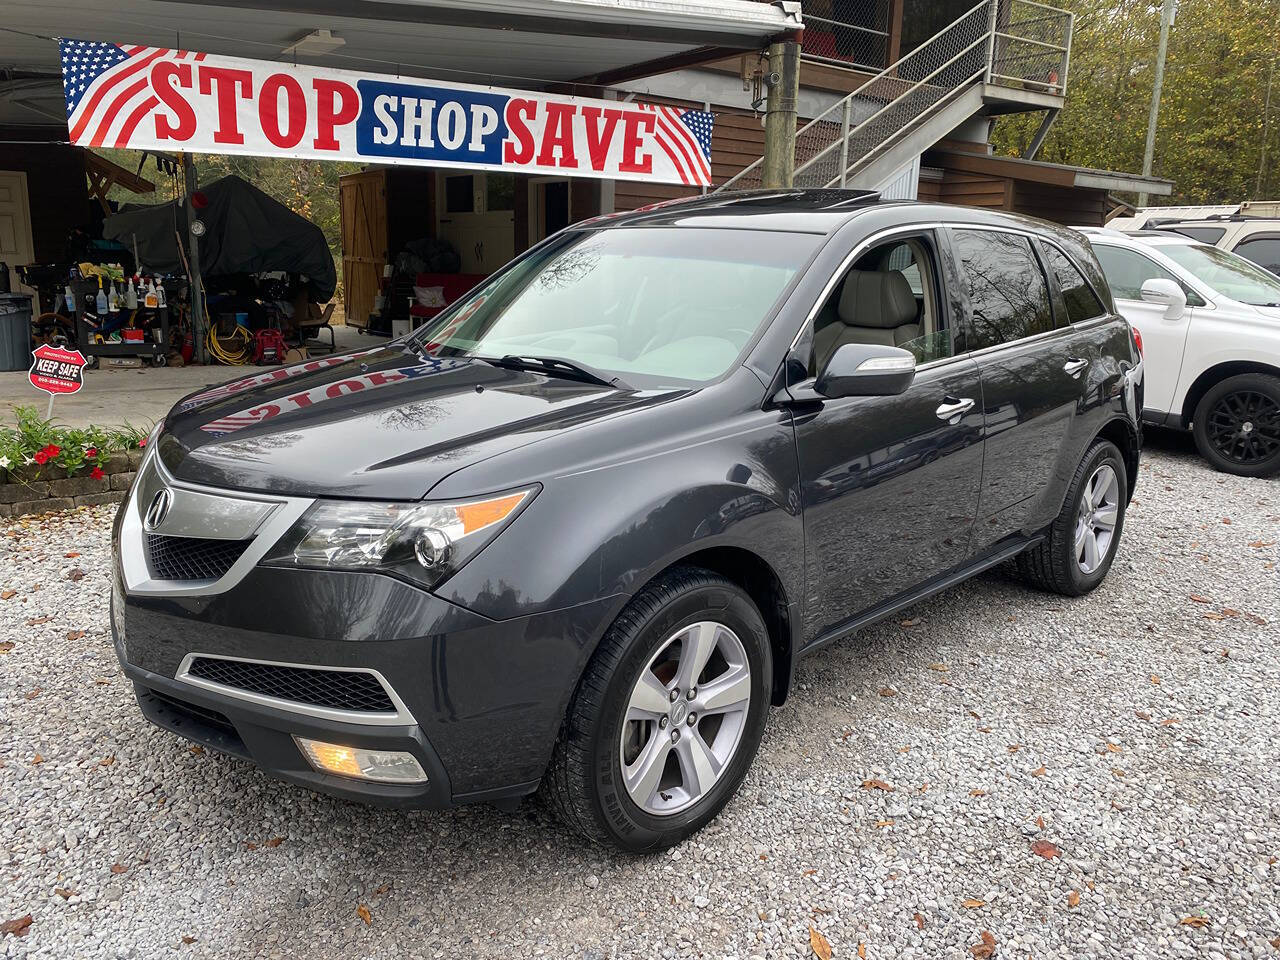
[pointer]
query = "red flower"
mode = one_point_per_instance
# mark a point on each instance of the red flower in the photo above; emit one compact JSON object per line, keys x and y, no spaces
{"x":142,"y":442}
{"x":41,"y":457}
{"x":51,"y":451}
{"x":91,"y":452}
{"x":97,"y":473}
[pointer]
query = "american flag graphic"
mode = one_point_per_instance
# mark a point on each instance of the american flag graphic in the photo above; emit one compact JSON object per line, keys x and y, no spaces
{"x":107,"y":89}
{"x":685,"y":137}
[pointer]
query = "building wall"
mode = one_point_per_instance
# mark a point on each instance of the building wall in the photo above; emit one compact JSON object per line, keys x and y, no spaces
{"x":57,"y":190}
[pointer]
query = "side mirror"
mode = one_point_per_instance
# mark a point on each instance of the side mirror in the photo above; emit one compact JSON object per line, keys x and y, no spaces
{"x":866,"y":370}
{"x":1168,"y":293}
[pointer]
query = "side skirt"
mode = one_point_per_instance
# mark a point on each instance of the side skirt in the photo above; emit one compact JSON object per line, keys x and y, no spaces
{"x":926,"y":589}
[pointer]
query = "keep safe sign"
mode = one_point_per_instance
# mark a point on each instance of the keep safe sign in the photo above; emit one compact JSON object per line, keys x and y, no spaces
{"x":55,"y":370}
{"x":151,"y":98}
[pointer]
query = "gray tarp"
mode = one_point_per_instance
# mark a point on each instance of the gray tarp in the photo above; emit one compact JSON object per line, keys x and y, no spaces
{"x":246,"y":231}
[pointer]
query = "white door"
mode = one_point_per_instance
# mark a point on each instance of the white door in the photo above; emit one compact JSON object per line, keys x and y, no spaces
{"x":16,"y":248}
{"x":476,"y":213}
{"x":1163,"y":341}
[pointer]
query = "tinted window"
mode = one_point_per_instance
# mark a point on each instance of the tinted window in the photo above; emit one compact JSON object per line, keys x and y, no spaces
{"x":1265,"y":252}
{"x":1078,"y":297}
{"x":1008,"y":296}
{"x":1127,"y":271}
{"x":1203,"y":234}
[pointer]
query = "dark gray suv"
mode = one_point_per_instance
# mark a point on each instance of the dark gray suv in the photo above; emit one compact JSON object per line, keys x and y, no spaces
{"x":575,"y":533}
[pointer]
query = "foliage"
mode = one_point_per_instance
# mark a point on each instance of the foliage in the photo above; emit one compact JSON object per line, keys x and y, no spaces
{"x":1211,"y":129}
{"x":37,"y":443}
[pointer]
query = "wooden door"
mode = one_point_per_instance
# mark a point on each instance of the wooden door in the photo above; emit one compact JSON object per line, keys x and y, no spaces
{"x":363,"y":199}
{"x":16,"y":248}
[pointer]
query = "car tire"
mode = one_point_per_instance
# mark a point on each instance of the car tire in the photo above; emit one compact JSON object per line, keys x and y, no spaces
{"x":1236,"y":425}
{"x":1062,"y":562}
{"x":587,"y":782}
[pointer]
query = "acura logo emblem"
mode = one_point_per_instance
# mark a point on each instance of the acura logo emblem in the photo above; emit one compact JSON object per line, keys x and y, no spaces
{"x":158,"y":510}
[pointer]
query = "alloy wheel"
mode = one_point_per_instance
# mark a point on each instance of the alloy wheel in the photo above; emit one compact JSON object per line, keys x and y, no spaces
{"x":685,"y":717}
{"x":1244,"y":426}
{"x":1097,"y":517}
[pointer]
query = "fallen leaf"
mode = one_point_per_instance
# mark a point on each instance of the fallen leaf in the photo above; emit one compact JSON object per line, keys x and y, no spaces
{"x":274,"y":842}
{"x":808,"y":873}
{"x":36,"y":621}
{"x":1257,"y":545}
{"x":31,"y":694}
{"x":118,"y":868}
{"x":1039,"y":772}
{"x":973,"y":904}
{"x":75,"y":573}
{"x":75,"y":635}
{"x":5,"y":595}
{"x":819,"y":911}
{"x":363,"y":913}
{"x":1196,"y":598}
{"x":888,"y":692}
{"x":1211,"y":615}
{"x":1117,"y":772}
{"x":1040,"y":822}
{"x":876,"y":785}
{"x":984,"y":729}
{"x":108,"y":760}
{"x":1168,"y":721}
{"x":1155,"y":679}
{"x":939,"y":667}
{"x":884,"y":823}
{"x":188,"y":940}
{"x":1197,"y":922}
{"x":64,"y":893}
{"x":196,"y":748}
{"x":819,"y":945}
{"x":1073,"y":898}
{"x":71,"y":556}
{"x":1043,"y":848}
{"x":906,"y":749}
{"x":977,"y":793}
{"x":1228,"y":612}
{"x":985,"y":949}
{"x":914,"y":621}
{"x":6,"y":646}
{"x":18,"y":926}
{"x":1015,"y":747}
{"x":919,"y":921}
{"x":862,"y":951}
{"x":37,"y":759}
{"x":377,"y":893}
{"x":1142,"y":715}
{"x":1112,"y":748}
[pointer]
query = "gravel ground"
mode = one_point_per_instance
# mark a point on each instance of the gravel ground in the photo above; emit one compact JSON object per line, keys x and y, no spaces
{"x":1075,"y":778}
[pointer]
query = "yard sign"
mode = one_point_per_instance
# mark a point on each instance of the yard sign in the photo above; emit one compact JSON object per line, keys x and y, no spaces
{"x":150,"y":98}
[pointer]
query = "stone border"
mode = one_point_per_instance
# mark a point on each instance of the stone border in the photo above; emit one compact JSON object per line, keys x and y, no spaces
{"x":34,"y":489}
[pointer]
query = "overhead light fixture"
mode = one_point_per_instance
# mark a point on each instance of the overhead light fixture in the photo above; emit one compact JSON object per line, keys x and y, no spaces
{"x":315,"y":44}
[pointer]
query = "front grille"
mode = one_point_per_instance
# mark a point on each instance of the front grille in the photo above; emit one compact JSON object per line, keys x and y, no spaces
{"x":196,"y":712}
{"x":335,"y":689}
{"x":191,"y":558}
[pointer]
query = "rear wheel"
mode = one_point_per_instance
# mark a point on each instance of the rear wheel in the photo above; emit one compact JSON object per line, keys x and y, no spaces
{"x":1237,"y":425}
{"x":1082,"y":542}
{"x":668,"y":716}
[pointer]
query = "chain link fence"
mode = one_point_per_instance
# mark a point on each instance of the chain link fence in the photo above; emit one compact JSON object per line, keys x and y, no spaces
{"x":849,"y":33}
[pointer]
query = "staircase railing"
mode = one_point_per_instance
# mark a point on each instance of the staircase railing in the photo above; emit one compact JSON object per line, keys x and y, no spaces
{"x":1015,"y":43}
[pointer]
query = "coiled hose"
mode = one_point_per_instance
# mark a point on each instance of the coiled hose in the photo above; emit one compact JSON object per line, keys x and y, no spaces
{"x":235,"y":349}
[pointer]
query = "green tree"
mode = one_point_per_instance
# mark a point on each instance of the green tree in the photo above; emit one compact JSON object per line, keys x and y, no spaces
{"x":1210,"y":136}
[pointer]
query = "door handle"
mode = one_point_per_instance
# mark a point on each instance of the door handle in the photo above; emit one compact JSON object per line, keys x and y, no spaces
{"x":1074,"y":366}
{"x":953,"y":410}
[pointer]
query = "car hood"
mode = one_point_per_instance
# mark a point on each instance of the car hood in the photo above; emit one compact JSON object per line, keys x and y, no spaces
{"x":383,"y":423}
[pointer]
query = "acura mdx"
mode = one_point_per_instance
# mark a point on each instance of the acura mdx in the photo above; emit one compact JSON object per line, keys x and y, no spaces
{"x":574,"y":534}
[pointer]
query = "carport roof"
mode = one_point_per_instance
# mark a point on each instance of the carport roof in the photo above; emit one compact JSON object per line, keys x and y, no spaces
{"x":513,"y":43}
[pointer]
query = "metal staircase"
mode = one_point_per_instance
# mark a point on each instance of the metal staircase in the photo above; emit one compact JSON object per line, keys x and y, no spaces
{"x":1002,"y":55}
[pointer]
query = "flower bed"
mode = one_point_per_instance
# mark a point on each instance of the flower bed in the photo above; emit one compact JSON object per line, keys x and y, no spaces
{"x":49,"y":467}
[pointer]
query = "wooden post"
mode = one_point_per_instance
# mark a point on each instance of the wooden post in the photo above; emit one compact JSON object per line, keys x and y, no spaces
{"x":778,"y":169}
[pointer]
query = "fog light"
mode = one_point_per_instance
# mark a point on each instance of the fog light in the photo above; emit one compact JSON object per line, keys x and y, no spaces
{"x":383,"y":766}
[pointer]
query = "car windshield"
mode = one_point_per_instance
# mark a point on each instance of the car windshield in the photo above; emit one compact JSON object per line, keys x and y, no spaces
{"x":1228,"y":274}
{"x":656,"y":306}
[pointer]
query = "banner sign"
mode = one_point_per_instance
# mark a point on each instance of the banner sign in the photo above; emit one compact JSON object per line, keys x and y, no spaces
{"x":150,"y":98}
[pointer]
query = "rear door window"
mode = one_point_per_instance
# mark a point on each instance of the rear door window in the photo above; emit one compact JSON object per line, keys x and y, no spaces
{"x":1203,"y":234}
{"x":1008,"y":293}
{"x":1078,"y":302}
{"x":1264,"y":251}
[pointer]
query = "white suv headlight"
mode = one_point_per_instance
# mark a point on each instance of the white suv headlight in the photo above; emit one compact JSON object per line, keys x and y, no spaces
{"x":425,"y":542}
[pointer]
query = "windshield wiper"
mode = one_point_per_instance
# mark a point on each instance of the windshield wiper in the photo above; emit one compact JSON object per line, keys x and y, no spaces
{"x":559,"y":367}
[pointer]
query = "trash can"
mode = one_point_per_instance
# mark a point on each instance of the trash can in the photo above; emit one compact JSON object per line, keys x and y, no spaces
{"x":15,"y":331}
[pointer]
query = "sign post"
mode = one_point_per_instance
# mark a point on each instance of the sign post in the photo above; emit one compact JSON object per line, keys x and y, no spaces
{"x":56,"y":370}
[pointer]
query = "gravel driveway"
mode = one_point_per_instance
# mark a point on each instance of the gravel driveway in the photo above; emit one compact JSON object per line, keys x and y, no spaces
{"x":1075,"y":778}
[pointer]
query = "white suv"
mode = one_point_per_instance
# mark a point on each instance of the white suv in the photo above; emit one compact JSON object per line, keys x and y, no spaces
{"x":1210,"y":327}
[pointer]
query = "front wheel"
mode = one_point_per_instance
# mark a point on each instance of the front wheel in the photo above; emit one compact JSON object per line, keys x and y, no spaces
{"x":1237,"y":425}
{"x":667,"y":718}
{"x":1077,"y":553}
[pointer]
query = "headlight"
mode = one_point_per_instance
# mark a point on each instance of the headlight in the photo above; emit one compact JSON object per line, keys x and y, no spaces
{"x":425,"y":542}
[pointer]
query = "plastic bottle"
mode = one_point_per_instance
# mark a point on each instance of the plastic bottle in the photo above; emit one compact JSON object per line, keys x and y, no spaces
{"x":101,"y":301}
{"x":71,"y":300}
{"x":131,"y":296}
{"x":161,"y":301}
{"x":151,"y":300}
{"x":113,"y":299}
